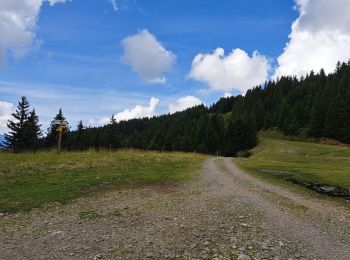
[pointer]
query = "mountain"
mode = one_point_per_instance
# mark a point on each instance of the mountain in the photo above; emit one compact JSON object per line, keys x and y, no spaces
{"x":2,"y":139}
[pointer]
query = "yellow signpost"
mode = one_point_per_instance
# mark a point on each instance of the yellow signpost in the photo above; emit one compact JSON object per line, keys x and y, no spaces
{"x":61,"y":126}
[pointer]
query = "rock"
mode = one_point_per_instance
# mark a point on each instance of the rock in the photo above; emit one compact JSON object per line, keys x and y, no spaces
{"x":243,"y":257}
{"x":149,"y":255}
{"x":206,"y":243}
{"x":98,"y":256}
{"x":244,"y":225}
{"x":264,"y":247}
{"x":57,"y":233}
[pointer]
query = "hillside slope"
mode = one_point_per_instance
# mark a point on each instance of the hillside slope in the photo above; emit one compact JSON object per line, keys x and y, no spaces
{"x":300,"y":163}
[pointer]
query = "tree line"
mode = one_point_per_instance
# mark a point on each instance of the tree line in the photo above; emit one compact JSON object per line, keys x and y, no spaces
{"x":192,"y":130}
{"x":317,"y":105}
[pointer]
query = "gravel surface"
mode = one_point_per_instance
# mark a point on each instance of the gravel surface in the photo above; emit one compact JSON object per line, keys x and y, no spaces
{"x":224,"y":214}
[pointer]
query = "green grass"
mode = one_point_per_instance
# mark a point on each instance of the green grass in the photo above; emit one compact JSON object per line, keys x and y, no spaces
{"x":310,"y":162}
{"x":31,"y":180}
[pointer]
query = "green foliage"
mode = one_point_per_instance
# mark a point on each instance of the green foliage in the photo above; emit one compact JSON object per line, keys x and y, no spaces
{"x":29,"y":180}
{"x":193,"y":130}
{"x":24,"y":129}
{"x":240,"y":135}
{"x":317,"y":105}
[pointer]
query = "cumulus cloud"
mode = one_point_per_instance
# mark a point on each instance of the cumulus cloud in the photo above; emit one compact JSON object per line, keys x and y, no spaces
{"x":236,"y":71}
{"x":320,"y":38}
{"x":136,"y":112}
{"x":184,"y":103}
{"x":5,"y":114}
{"x":18,"y":19}
{"x":147,"y":56}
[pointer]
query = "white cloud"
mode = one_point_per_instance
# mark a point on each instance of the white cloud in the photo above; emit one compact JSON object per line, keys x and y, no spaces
{"x":114,"y":5}
{"x":5,"y":114}
{"x":137,"y":112}
{"x":320,"y":38}
{"x":236,"y":71}
{"x":18,"y":19}
{"x":53,"y":2}
{"x":147,"y":56}
{"x":184,"y":103}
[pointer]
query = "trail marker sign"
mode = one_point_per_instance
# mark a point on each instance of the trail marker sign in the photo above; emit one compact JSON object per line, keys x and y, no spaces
{"x":62,"y":124}
{"x":59,"y":122}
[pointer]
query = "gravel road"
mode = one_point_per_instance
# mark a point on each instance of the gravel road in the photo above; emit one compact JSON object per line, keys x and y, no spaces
{"x":223,"y":214}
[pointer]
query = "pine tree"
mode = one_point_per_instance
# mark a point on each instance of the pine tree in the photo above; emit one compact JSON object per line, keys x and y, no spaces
{"x":15,"y":139}
{"x":32,"y":131}
{"x":317,"y":119}
{"x":112,"y":136}
{"x":112,"y":120}
{"x":228,"y":143}
{"x":268,"y":121}
{"x":240,"y":135}
{"x":211,"y":138}
{"x":79,"y":138}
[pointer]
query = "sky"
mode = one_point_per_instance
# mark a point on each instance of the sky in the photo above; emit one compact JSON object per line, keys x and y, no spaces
{"x":140,"y":58}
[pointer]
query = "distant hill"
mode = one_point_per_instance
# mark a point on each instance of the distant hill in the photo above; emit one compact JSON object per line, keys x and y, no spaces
{"x":316,"y":105}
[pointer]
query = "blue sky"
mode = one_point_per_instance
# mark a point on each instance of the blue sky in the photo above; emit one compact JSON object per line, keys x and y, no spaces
{"x":75,"y":60}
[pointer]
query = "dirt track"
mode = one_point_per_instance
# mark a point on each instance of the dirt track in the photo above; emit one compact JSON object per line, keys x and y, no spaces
{"x":221,"y":215}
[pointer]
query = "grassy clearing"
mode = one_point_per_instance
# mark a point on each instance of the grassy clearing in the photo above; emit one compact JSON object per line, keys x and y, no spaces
{"x":30,"y":180}
{"x":310,"y":162}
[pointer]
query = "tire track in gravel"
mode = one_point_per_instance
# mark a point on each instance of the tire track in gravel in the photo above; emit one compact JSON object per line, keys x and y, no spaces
{"x":311,"y":226}
{"x":220,"y":215}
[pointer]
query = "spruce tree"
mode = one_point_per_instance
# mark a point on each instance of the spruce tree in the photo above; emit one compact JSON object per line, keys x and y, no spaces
{"x":211,"y":138}
{"x":268,"y":121}
{"x":32,"y":132}
{"x":112,"y":138}
{"x":79,"y":138}
{"x":15,"y":139}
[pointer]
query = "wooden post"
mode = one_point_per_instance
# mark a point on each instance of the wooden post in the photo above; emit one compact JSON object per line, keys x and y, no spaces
{"x":59,"y":141}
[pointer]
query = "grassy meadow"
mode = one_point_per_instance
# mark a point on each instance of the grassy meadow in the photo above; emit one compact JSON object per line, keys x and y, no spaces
{"x":30,"y":180}
{"x":310,"y":162}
